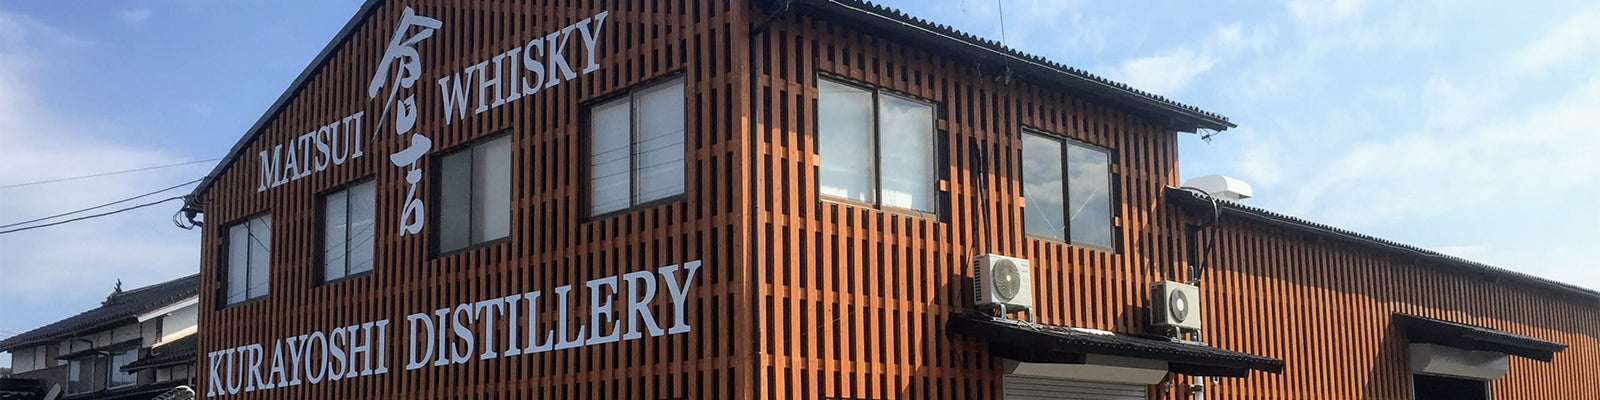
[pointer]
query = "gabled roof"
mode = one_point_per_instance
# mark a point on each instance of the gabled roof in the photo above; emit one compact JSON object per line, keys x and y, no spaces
{"x":1200,"y":200}
{"x":1176,"y":115}
{"x":283,"y":99}
{"x":119,"y":308}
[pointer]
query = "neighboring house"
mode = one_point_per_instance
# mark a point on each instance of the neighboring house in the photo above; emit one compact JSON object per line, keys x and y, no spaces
{"x":136,"y":345}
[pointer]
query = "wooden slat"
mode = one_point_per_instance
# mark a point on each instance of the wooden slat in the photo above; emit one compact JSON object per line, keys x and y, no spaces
{"x":800,"y":297}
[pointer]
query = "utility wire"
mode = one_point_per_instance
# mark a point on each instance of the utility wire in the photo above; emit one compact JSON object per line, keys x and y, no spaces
{"x":99,"y":206}
{"x":93,"y":216}
{"x":104,"y":174}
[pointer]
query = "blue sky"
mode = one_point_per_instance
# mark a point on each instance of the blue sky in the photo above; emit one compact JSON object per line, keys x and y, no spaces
{"x":1461,"y":126}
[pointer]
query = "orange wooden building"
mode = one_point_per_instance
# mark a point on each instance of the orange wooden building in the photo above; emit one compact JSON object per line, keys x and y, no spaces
{"x":797,"y":199}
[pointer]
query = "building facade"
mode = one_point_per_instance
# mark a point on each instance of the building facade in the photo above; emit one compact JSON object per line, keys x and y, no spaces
{"x":138,"y":344}
{"x":785,"y":199}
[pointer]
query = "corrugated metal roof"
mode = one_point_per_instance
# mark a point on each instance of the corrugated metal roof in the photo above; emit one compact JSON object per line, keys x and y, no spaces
{"x":1180,"y":116}
{"x":1196,"y":198}
{"x":125,"y":306}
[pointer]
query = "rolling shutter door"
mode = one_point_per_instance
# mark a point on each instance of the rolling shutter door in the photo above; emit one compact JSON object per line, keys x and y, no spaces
{"x":1019,"y":387}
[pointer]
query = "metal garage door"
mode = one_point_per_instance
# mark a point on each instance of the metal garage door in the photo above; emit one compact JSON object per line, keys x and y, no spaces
{"x":1035,"y":388}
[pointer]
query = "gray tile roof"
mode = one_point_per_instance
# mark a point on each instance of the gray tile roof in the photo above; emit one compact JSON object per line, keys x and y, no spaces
{"x":180,"y":351}
{"x":119,"y":308}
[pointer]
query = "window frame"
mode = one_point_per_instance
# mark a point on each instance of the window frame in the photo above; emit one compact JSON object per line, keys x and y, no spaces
{"x":226,"y":258}
{"x":1113,"y":196}
{"x":436,"y":194}
{"x":87,"y":361}
{"x":322,"y":235}
{"x":586,"y":145}
{"x":112,"y":369}
{"x":938,"y":147}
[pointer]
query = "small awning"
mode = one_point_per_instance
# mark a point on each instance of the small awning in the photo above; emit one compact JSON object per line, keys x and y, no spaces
{"x":1420,"y":329}
{"x":1038,"y":343}
{"x":181,"y":351}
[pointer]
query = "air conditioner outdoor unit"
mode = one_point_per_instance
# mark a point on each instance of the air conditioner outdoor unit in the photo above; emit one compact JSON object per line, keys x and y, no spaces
{"x":1002,"y":282}
{"x":1175,"y":305}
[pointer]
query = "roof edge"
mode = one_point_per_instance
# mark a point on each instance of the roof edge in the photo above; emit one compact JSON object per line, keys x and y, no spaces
{"x":299,"y":82}
{"x":1194,"y":198}
{"x":1183,"y":117}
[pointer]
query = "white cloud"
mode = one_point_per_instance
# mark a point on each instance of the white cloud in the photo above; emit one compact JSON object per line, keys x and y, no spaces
{"x":140,"y":247}
{"x":1325,"y":12}
{"x":1174,"y":69}
{"x":1565,"y":44}
{"x":135,"y":16}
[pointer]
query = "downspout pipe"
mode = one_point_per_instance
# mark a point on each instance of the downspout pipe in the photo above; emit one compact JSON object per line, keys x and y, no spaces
{"x":1192,"y":236}
{"x":761,"y":27}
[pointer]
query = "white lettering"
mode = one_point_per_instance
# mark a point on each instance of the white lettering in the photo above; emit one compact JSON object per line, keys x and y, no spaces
{"x":426,"y":322}
{"x":450,"y":335}
{"x":600,"y":310}
{"x":591,"y":39}
{"x":638,"y":313}
{"x":679,"y":292}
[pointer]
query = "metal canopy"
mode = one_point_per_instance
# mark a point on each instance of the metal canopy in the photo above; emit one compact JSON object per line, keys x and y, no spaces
{"x":1030,"y":342}
{"x":1420,"y":329}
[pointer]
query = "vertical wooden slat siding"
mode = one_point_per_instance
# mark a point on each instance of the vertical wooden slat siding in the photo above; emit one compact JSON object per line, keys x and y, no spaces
{"x":800,"y":297}
{"x":553,"y":244}
{"x":884,"y":282}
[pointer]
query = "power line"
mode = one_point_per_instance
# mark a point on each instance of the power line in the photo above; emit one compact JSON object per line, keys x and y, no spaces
{"x":105,"y":174}
{"x":99,"y":206}
{"x":93,"y":216}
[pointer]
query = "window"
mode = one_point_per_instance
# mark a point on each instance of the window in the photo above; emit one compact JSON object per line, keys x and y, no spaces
{"x":1067,"y":187}
{"x":475,"y":195}
{"x":120,"y":378}
{"x":852,"y":122}
{"x":80,"y":375}
{"x":348,"y":231}
{"x":636,"y":148}
{"x":249,"y":254}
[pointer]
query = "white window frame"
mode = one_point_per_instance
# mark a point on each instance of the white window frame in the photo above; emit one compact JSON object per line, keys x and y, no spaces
{"x":1065,"y":144}
{"x":347,"y":238}
{"x":471,"y":193}
{"x":636,"y":145}
{"x":878,"y":95}
{"x":114,"y":369}
{"x":249,"y":269}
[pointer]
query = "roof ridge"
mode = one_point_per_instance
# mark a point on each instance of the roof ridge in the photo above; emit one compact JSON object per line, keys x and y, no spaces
{"x":129,"y":304}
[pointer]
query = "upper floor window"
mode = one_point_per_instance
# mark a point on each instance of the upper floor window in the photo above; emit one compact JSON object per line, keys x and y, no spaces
{"x":249,"y":255}
{"x":1067,"y":188}
{"x":876,"y":148}
{"x":636,"y":148}
{"x":348,"y":231}
{"x":120,"y":378}
{"x":475,"y":194}
{"x":80,"y":375}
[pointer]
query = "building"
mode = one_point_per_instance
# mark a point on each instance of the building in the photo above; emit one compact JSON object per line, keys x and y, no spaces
{"x":138,"y":344}
{"x":786,"y":199}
